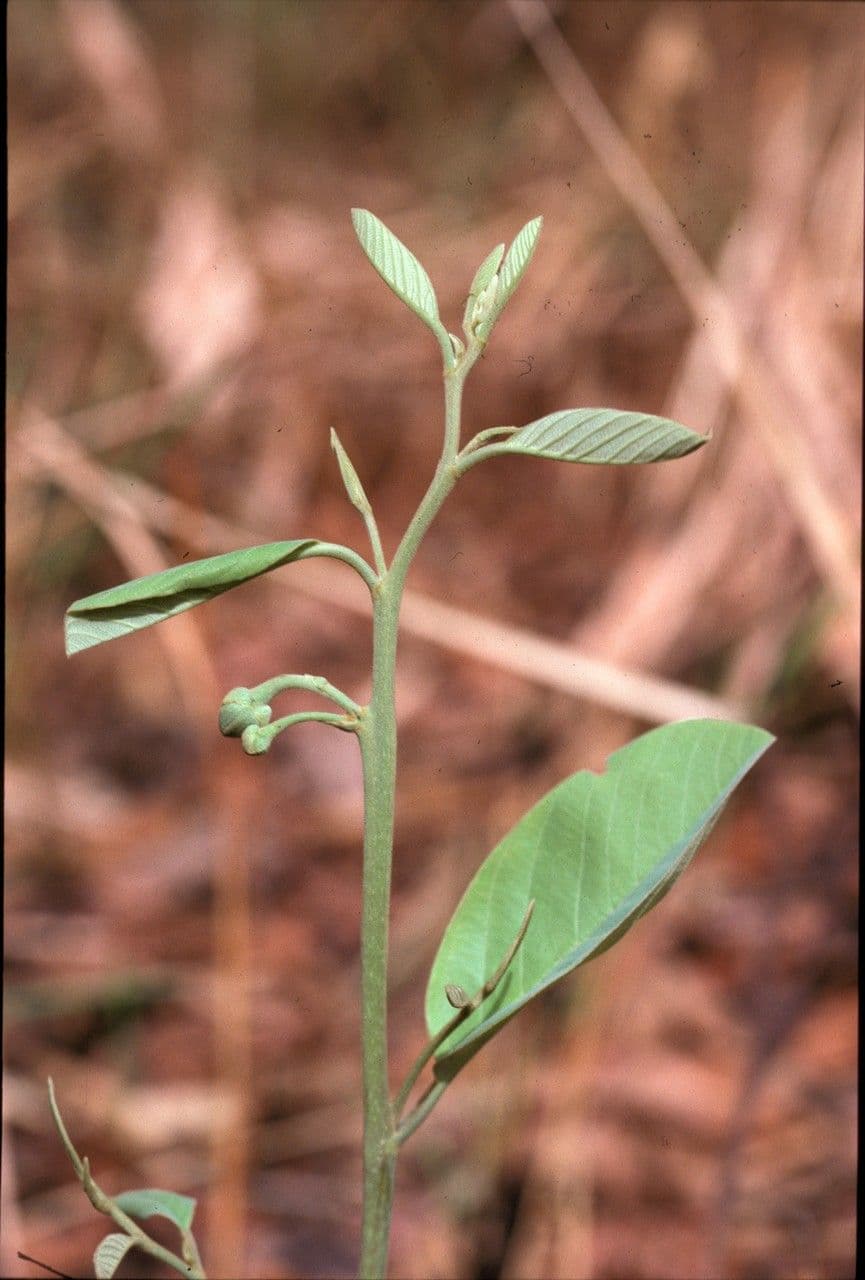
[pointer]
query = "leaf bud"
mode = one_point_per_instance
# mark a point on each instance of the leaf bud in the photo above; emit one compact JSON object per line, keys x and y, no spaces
{"x":456,"y":996}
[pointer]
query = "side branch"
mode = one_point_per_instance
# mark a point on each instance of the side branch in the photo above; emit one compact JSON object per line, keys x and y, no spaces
{"x":256,"y":739}
{"x":334,"y":551}
{"x":465,"y":1006}
{"x":104,"y":1204}
{"x":263,"y":693}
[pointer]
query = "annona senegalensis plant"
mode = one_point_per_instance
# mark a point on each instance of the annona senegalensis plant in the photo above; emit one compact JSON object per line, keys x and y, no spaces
{"x":590,"y":858}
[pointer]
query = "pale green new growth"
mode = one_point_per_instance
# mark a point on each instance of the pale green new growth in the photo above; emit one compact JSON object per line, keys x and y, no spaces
{"x":575,"y":873}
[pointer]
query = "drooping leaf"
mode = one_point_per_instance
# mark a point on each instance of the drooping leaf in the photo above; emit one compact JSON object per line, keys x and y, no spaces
{"x":597,"y":436}
{"x":110,"y":1253}
{"x":167,"y":1204}
{"x":595,"y":854}
{"x":512,"y":270}
{"x":145,"y":601}
{"x":397,"y":266}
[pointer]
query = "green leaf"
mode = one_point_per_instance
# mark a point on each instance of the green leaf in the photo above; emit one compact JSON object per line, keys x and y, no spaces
{"x":512,"y":270}
{"x":145,"y":601}
{"x":167,"y":1204}
{"x":597,"y":435}
{"x":110,"y":1253}
{"x":595,"y":853}
{"x":398,"y":267}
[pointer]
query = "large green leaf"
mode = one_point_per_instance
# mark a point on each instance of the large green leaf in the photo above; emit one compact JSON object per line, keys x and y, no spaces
{"x":167,"y":1204}
{"x":145,"y":601}
{"x":595,"y":854}
{"x":596,"y":435}
{"x":397,"y":266}
{"x":109,"y":1254}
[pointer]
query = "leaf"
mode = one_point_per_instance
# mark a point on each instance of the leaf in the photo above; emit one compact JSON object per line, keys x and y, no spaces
{"x":595,"y":853}
{"x":597,"y":435}
{"x":512,"y":270}
{"x":110,"y":1253}
{"x":482,"y":278}
{"x":518,"y":257}
{"x":145,"y":601}
{"x":398,"y":267}
{"x":167,"y":1204}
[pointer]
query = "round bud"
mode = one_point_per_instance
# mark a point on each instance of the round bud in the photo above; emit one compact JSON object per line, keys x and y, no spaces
{"x":255,"y":740}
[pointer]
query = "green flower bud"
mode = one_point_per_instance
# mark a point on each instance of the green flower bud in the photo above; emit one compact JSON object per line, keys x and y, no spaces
{"x":239,"y":711}
{"x":256,"y":740}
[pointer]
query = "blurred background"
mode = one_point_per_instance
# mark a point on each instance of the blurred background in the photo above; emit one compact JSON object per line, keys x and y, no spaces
{"x":189,"y":314}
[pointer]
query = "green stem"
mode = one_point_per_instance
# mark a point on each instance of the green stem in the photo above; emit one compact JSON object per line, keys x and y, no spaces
{"x":268,"y":690}
{"x":407,"y":1127}
{"x":416,"y":1118}
{"x":334,"y":551}
{"x":377,"y":735}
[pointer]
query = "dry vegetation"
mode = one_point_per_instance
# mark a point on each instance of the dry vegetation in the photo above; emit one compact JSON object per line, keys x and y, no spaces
{"x":188,"y":315}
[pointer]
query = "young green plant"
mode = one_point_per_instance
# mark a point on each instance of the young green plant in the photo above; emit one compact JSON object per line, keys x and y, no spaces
{"x":575,"y":873}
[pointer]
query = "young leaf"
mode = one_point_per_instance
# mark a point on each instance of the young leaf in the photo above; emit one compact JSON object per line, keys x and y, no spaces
{"x":167,"y":1204}
{"x":595,"y":853}
{"x":512,"y":270}
{"x":145,"y":601}
{"x":486,"y":270}
{"x":483,"y":276}
{"x":398,"y":267}
{"x":596,"y":435}
{"x":110,"y":1253}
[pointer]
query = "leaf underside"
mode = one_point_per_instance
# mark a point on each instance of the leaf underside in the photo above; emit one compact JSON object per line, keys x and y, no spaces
{"x":397,"y":266}
{"x":518,"y":257}
{"x":512,"y":270}
{"x":143,"y":602}
{"x":109,"y":1254}
{"x":595,"y":854}
{"x":603,"y":436}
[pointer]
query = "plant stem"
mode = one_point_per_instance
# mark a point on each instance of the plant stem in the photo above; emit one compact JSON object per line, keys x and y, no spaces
{"x":377,"y":736}
{"x":378,"y":748}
